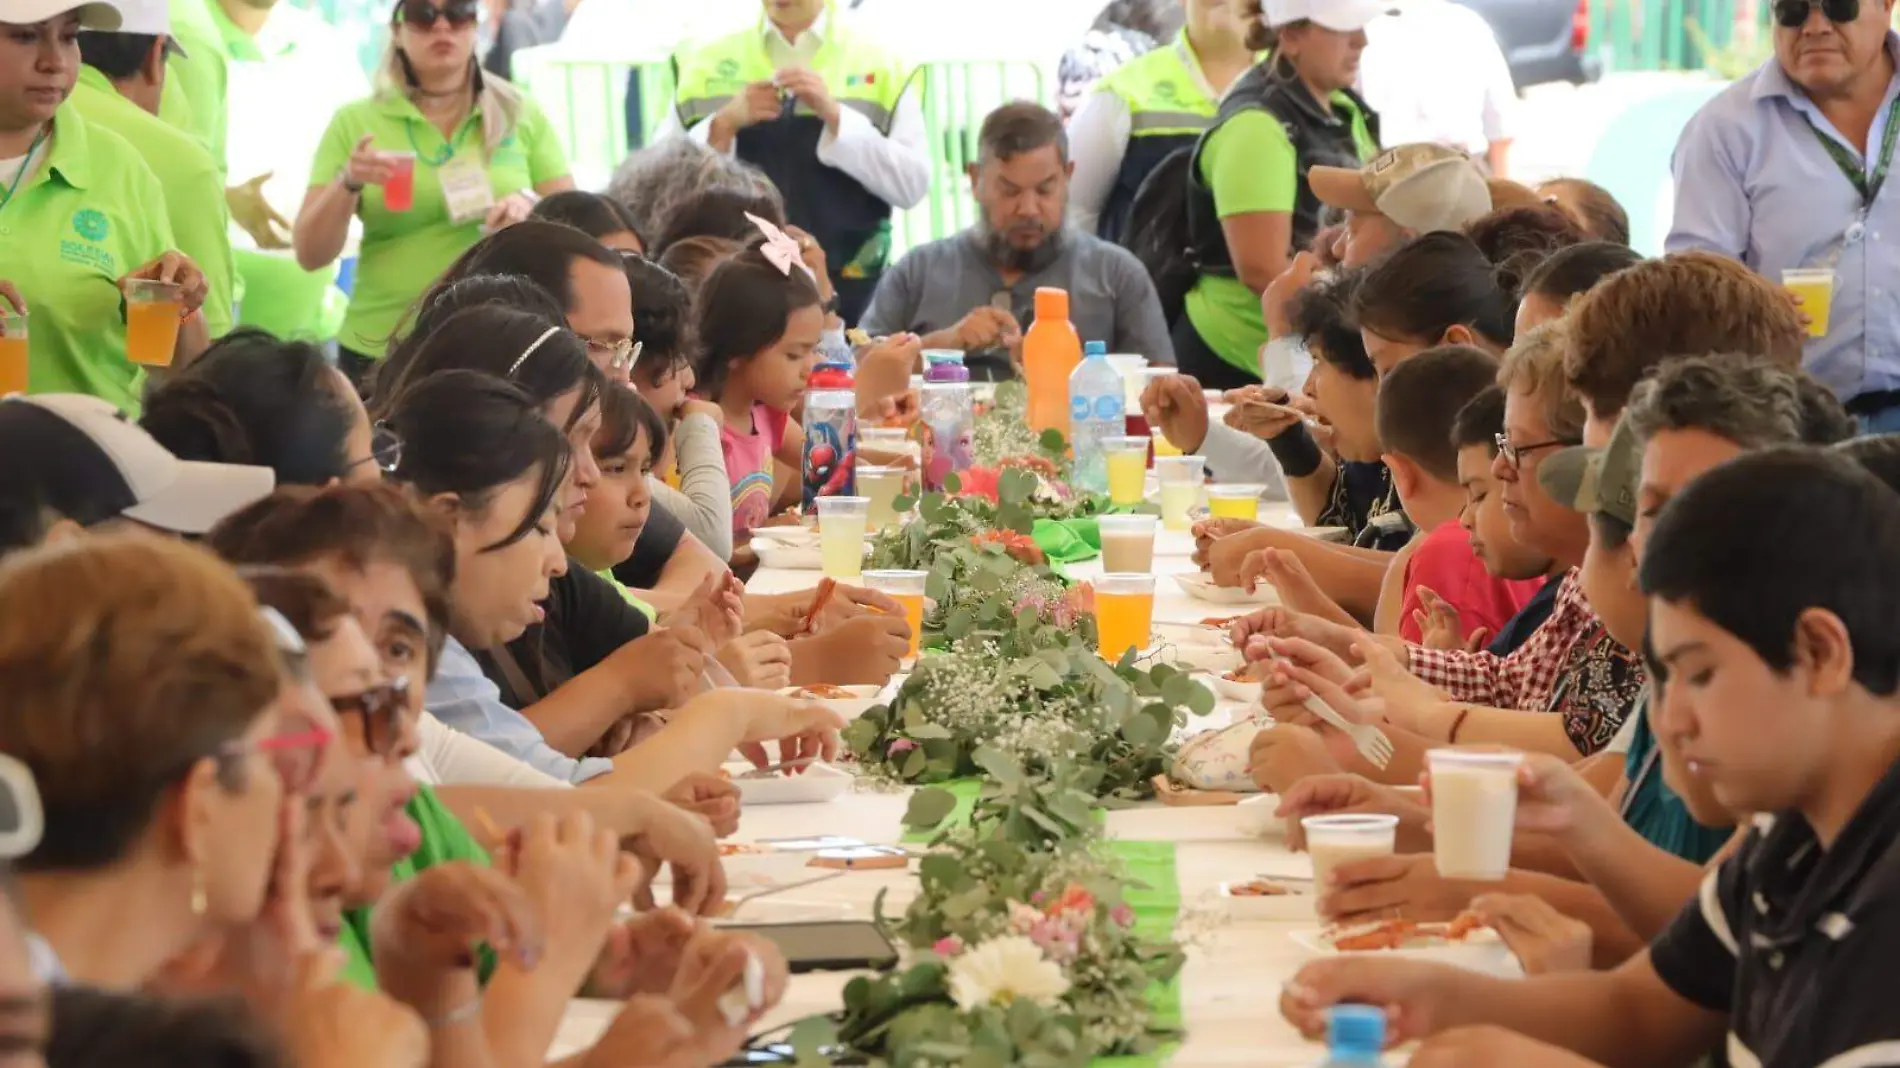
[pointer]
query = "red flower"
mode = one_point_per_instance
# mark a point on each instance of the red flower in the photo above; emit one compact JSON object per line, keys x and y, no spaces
{"x":979,"y":482}
{"x":1020,"y":546}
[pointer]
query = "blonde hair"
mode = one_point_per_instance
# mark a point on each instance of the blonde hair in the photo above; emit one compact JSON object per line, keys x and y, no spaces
{"x":499,"y":101}
{"x":1534,"y":366}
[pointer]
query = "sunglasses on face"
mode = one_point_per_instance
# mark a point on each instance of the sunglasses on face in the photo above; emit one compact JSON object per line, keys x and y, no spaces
{"x":422,"y":15}
{"x":382,"y":708}
{"x":1793,"y":14}
{"x":295,"y":756}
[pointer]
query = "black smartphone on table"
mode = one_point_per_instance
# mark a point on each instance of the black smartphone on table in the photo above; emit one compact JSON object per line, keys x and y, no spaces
{"x":827,"y":946}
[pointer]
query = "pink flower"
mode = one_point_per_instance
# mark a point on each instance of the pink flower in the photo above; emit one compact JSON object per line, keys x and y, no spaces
{"x":948,"y":946}
{"x":900,"y":745}
{"x":1123,"y":916}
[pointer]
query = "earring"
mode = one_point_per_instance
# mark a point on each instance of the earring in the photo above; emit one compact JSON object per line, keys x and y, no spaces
{"x":198,"y":902}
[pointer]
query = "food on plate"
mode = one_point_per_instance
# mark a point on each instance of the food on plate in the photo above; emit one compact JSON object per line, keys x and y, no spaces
{"x":1406,"y":934}
{"x":824,"y":691}
{"x":1222,"y":622}
{"x":1242,"y":675}
{"x":736,"y":849}
{"x":1261,"y":888}
{"x":826,"y":586}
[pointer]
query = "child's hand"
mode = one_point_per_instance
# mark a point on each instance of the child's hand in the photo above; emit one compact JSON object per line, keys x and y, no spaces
{"x":1439,"y":626}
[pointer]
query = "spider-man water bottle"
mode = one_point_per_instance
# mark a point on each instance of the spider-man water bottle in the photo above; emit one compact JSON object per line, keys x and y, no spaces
{"x":831,"y":433}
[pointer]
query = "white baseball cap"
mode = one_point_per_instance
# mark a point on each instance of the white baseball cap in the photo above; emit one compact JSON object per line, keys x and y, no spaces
{"x":92,"y":15}
{"x":82,"y":457}
{"x":152,"y":17}
{"x":1342,"y":16}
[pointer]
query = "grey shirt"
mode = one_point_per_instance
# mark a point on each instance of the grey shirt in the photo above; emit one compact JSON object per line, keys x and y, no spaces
{"x":1111,"y":297}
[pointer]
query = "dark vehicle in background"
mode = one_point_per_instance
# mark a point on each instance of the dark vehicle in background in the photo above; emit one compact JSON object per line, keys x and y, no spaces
{"x":1543,"y":40}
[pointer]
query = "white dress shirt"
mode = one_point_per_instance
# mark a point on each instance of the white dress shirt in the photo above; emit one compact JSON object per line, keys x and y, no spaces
{"x":1098,"y":139}
{"x":893,"y":166}
{"x":1435,"y":74}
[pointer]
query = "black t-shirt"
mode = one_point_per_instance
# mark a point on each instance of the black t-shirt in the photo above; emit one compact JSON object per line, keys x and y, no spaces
{"x":587,"y":620}
{"x":655,"y":546}
{"x":1518,"y":629}
{"x":1796,"y":944}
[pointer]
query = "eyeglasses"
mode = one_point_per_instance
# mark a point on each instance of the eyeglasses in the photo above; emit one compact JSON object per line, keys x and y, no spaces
{"x":382,"y":708}
{"x":620,"y":354}
{"x":1793,"y":14}
{"x":385,"y":450}
{"x":423,"y":15}
{"x":296,"y":756}
{"x":1514,"y":454}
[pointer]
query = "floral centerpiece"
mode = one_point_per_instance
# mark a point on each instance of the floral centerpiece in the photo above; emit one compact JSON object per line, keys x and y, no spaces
{"x":1021,"y":946}
{"x":1059,"y":709}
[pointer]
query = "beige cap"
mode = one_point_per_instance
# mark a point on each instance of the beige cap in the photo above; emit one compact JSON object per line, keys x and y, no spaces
{"x":1421,"y":187}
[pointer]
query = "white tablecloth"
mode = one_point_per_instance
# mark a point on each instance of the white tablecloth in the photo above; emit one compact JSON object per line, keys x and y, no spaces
{"x":1230,"y":986}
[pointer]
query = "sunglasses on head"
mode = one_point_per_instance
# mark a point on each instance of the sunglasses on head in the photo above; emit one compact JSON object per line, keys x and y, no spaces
{"x":382,"y":708}
{"x":423,"y":15}
{"x":1793,"y":14}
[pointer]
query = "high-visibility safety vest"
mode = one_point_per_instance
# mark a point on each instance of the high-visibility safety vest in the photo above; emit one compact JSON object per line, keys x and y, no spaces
{"x":851,"y":223}
{"x":1167,"y":109}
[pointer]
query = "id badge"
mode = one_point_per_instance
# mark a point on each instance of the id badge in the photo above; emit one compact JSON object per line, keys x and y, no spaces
{"x":466,"y":190}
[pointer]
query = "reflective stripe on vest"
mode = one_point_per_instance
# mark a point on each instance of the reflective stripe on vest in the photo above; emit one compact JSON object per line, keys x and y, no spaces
{"x":693,"y":112}
{"x":1151,"y":123}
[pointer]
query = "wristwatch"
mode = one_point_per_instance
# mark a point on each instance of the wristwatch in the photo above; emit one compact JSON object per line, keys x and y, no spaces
{"x":354,"y":188}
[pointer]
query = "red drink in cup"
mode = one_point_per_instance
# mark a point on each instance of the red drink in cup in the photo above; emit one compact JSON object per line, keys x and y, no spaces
{"x":399,"y":192}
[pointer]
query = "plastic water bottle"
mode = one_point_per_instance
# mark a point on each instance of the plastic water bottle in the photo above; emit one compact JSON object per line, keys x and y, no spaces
{"x":949,"y":413}
{"x":1097,"y":410}
{"x":1355,"y":1035}
{"x":831,"y":433}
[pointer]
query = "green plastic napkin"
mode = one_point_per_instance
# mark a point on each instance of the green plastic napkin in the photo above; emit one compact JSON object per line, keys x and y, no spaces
{"x":1068,"y":541}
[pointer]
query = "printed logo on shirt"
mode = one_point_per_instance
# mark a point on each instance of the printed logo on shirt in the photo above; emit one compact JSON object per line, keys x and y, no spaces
{"x":1165,"y":91}
{"x":93,"y":228}
{"x":90,"y":224}
{"x":728,"y":68}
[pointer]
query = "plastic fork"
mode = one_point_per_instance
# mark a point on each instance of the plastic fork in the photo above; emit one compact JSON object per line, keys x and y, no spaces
{"x":1369,"y":740}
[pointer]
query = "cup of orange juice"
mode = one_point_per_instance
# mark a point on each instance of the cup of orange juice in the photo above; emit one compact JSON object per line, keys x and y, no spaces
{"x":12,"y":353}
{"x":1124,"y":613}
{"x":1234,"y":501}
{"x":152,"y":311}
{"x":1815,"y":287}
{"x":907,"y":589}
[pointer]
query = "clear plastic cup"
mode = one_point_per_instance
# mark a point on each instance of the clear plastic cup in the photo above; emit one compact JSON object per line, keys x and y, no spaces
{"x":1128,"y":542}
{"x":881,"y":486}
{"x":907,"y":589}
{"x":1163,"y":447}
{"x":1334,"y":840}
{"x":1124,"y":613}
{"x":1126,"y":459}
{"x":399,"y":192}
{"x":1815,"y":287}
{"x":13,"y":360}
{"x":152,"y":312}
{"x":842,"y":525}
{"x":1234,"y":501}
{"x":1180,"y":478}
{"x":1474,"y":811}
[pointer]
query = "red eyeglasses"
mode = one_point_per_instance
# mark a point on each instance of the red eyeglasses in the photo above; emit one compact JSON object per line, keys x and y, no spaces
{"x":296,"y":756}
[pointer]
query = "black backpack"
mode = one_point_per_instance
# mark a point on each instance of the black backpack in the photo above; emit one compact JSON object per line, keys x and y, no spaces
{"x":1160,"y":233}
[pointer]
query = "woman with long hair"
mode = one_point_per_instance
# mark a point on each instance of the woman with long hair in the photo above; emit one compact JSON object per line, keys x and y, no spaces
{"x":439,"y":153}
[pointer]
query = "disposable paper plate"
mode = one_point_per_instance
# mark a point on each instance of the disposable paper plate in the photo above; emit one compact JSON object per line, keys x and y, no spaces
{"x":1295,"y":905}
{"x":790,"y":535}
{"x":1197,"y":634}
{"x":818,"y":783}
{"x":761,"y":871}
{"x":1205,"y":658}
{"x":1228,"y":689}
{"x":783,"y":557}
{"x":1201,"y":587}
{"x":1480,"y":951}
{"x":1255,"y":817}
{"x":862,"y":697}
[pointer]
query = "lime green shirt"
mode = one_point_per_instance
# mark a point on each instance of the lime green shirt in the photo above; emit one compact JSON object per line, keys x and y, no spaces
{"x":194,"y":89}
{"x":1251,"y":166}
{"x":444,"y":839}
{"x":403,"y":252}
{"x":89,"y":215}
{"x":194,"y":194}
{"x":645,"y":608}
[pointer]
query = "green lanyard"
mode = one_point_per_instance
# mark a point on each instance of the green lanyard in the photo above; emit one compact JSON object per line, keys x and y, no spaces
{"x":447,"y":153}
{"x":1867,"y":186}
{"x":6,"y":195}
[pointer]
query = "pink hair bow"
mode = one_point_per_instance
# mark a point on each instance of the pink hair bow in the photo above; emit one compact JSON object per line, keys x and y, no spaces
{"x":780,"y":249}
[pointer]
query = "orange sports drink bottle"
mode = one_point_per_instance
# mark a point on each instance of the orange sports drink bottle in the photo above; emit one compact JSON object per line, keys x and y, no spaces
{"x":1051,"y":350}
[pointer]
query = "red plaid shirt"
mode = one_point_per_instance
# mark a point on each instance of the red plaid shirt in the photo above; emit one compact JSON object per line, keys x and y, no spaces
{"x":1569,"y":665}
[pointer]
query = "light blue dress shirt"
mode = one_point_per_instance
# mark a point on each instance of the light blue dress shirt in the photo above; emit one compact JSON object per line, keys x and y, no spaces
{"x":464,"y":698}
{"x":1754,"y":182}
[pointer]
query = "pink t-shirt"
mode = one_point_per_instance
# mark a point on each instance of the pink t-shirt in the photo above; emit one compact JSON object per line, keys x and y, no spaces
{"x":1445,"y":563}
{"x":749,"y":466}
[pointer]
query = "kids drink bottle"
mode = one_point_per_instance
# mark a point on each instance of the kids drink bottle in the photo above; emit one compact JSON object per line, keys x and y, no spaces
{"x":831,"y":431}
{"x":950,"y":416}
{"x":1051,"y":351}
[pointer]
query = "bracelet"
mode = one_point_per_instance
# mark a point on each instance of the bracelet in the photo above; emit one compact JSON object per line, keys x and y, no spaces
{"x":1451,"y":736}
{"x":462,"y":1013}
{"x":1298,"y":453}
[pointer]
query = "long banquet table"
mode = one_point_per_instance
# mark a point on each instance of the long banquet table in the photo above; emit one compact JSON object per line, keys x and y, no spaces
{"x":1231,"y":983}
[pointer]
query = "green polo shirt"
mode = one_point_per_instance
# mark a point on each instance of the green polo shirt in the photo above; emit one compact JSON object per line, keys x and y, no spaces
{"x":90,"y":214}
{"x":194,"y":194}
{"x":443,"y":839}
{"x":1251,"y":166}
{"x":193,"y":98}
{"x":402,"y":252}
